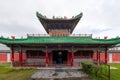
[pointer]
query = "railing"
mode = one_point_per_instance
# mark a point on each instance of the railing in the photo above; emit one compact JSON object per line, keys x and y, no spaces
{"x":54,"y":65}
{"x":26,"y":64}
{"x":38,"y":35}
{"x":42,"y":57}
{"x":42,"y":64}
{"x":101,"y":61}
{"x":83,"y":57}
{"x":34,"y":64}
{"x":86,"y":35}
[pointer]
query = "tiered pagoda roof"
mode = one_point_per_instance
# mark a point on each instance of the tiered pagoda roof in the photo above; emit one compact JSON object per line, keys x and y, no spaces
{"x":60,"y":23}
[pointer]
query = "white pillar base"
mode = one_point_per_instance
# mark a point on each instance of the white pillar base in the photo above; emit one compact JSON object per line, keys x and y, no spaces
{"x":110,"y":58}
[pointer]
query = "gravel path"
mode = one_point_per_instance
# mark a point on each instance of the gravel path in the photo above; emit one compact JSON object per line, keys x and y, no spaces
{"x":59,"y":74}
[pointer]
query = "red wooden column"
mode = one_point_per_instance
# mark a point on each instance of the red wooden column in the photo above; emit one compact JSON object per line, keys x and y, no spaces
{"x":68,"y":58}
{"x":12,"y":56}
{"x":72,"y":59}
{"x":98,"y":57}
{"x":20,"y":57}
{"x":51,"y":58}
{"x":46,"y":56}
{"x":106,"y":56}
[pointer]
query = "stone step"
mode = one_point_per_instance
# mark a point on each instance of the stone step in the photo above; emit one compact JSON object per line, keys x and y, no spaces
{"x":82,"y":78}
{"x":55,"y":68}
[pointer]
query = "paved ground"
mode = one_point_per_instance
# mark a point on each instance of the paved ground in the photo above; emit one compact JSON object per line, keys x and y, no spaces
{"x":59,"y":74}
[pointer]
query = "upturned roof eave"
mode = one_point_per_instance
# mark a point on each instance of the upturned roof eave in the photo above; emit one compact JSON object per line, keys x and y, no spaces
{"x":45,"y":20}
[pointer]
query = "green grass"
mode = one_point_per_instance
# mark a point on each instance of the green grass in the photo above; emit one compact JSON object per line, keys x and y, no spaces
{"x":117,"y":65}
{"x":8,"y":73}
{"x":115,"y":73}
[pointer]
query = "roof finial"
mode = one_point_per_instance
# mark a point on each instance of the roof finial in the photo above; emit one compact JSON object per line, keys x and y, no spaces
{"x":53,"y":17}
{"x":65,"y":17}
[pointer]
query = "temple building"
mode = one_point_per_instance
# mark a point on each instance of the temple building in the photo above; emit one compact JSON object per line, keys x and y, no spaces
{"x":59,"y":46}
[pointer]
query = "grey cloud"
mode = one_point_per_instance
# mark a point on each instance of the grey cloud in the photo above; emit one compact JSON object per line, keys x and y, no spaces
{"x":18,"y":16}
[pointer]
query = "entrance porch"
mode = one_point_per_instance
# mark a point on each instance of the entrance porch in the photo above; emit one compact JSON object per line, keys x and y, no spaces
{"x":37,"y":58}
{"x":54,"y":55}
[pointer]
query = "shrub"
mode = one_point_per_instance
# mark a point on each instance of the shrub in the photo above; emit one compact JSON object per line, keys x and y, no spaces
{"x":94,"y":70}
{"x":90,"y":68}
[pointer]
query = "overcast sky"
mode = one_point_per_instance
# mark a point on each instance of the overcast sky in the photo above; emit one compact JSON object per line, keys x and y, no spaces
{"x":100,"y":17}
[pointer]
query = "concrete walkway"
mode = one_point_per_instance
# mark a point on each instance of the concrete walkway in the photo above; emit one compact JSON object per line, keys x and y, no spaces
{"x":59,"y":73}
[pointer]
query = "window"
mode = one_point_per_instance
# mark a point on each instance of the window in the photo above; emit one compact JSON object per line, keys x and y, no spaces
{"x":35,"y":53}
{"x":83,"y":53}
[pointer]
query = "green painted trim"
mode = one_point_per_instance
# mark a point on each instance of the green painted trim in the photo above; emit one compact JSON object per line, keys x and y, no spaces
{"x":59,"y":39}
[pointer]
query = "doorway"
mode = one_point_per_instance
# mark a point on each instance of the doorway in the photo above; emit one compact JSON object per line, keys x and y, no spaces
{"x":60,"y":56}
